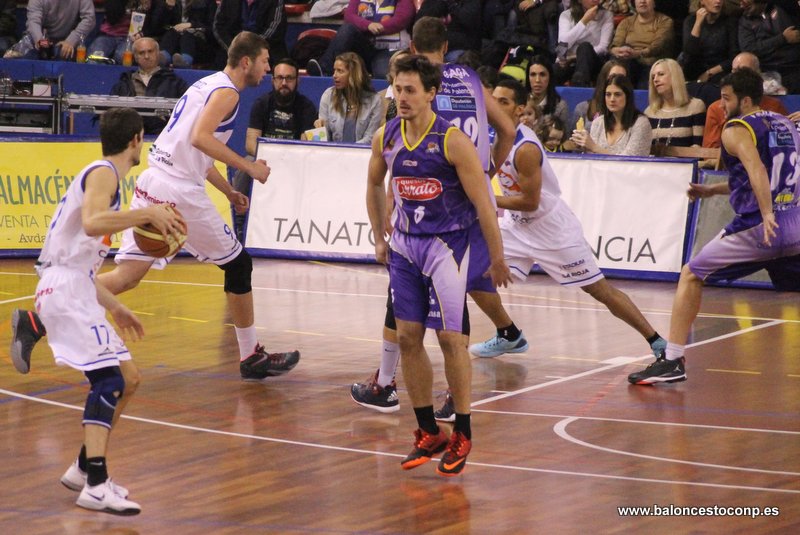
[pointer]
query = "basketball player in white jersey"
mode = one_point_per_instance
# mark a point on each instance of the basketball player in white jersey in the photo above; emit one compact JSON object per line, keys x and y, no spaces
{"x":181,"y":160}
{"x":73,"y":307}
{"x":539,"y":227}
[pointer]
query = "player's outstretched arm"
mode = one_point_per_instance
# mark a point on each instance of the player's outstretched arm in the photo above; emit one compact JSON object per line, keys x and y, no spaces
{"x":528,"y":163}
{"x":738,"y":141}
{"x":464,"y":157}
{"x":376,"y":195}
{"x":99,"y":191}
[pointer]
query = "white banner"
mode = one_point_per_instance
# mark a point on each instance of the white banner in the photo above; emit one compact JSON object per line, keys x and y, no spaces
{"x":633,"y":212}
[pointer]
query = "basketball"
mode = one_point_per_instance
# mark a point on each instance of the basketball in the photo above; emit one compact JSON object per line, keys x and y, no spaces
{"x":150,"y":241}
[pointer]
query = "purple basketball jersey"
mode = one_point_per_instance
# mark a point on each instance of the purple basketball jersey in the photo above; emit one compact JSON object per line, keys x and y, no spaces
{"x":778,"y":145}
{"x":460,"y":101}
{"x":428,"y":195}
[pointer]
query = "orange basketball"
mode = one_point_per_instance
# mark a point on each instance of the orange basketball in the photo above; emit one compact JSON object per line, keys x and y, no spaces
{"x":150,"y":241}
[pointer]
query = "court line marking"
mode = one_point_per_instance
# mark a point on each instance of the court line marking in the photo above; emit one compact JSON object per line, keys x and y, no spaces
{"x":560,"y":429}
{"x":587,"y":308}
{"x":612,"y":366}
{"x":400,"y":455}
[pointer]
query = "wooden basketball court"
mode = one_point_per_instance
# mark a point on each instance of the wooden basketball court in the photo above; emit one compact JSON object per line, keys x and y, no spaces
{"x":560,"y":440}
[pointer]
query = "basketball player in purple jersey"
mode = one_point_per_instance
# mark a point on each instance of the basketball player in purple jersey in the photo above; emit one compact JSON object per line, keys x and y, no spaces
{"x":760,"y":149}
{"x":439,"y":192}
{"x":464,"y":102}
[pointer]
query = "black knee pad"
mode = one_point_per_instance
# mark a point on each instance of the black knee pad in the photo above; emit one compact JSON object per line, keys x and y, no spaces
{"x":107,"y":387}
{"x":389,"y":321}
{"x":238,"y":274}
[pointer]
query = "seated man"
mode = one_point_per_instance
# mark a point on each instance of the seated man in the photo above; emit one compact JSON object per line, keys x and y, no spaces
{"x":58,"y":27}
{"x":770,"y":33}
{"x":150,"y":81}
{"x":264,"y":17}
{"x":372,"y":30}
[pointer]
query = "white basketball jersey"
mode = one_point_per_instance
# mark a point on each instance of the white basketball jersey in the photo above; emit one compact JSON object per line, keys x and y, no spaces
{"x":509,"y":179}
{"x":172,"y":152}
{"x":67,"y":245}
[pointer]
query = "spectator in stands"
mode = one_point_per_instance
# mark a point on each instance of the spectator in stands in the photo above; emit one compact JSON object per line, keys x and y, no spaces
{"x":676,"y":118}
{"x":622,"y":8}
{"x":496,"y":15}
{"x":622,"y":130}
{"x":589,"y":110}
{"x":531,"y":115}
{"x":163,"y":15}
{"x":149,"y":80}
{"x":389,"y":105}
{"x":62,"y":23}
{"x":373,"y":30}
{"x":8,"y":25}
{"x":584,"y":34}
{"x":710,"y":41}
{"x":464,"y":16}
{"x":264,"y":17}
{"x":113,"y":39}
{"x":191,"y":40}
{"x":642,"y":39}
{"x":553,"y":135}
{"x":715,"y":115}
{"x":532,"y":20}
{"x":770,"y":33}
{"x":351,"y":110}
{"x":541,"y":84}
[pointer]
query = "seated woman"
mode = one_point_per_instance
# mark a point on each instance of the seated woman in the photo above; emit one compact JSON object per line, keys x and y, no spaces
{"x":623,"y":130}
{"x":584,"y":35}
{"x":589,"y":110}
{"x":542,"y":87}
{"x":676,"y":119}
{"x":351,"y":110}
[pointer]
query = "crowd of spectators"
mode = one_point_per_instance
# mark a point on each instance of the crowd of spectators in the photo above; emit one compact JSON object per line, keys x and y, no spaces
{"x":678,"y":50}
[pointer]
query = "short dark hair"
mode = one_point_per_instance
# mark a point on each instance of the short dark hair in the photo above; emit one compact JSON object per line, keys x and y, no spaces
{"x":629,"y":113}
{"x":429,"y":74}
{"x":246,"y":44}
{"x":520,"y":94}
{"x":745,"y":82}
{"x":429,"y":34}
{"x":287,"y":61}
{"x":118,"y":126}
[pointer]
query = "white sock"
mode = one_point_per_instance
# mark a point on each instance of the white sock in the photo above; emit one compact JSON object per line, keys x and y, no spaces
{"x":389,"y":359}
{"x":247,"y":339}
{"x":674,"y":351}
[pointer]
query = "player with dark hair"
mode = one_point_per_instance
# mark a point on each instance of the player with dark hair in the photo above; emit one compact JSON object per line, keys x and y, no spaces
{"x":439,"y":191}
{"x":760,"y":149}
{"x":73,"y":307}
{"x":181,"y":160}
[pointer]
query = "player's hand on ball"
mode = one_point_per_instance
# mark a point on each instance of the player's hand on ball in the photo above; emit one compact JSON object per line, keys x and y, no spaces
{"x":168,"y":221}
{"x":239,"y":201}
{"x":259,"y":170}
{"x":499,"y":273}
{"x":129,"y":325}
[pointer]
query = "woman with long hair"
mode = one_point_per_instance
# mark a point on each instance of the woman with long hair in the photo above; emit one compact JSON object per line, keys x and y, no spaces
{"x":542,"y":87}
{"x":589,"y":110}
{"x":351,"y":110}
{"x":676,"y":119}
{"x":623,"y":129}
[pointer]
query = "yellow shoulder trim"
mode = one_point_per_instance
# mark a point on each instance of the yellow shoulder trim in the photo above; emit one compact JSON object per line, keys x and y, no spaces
{"x":746,"y":125}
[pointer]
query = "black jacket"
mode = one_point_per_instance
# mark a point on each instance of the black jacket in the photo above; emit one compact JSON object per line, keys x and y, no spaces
{"x":164,"y":83}
{"x":271,"y":24}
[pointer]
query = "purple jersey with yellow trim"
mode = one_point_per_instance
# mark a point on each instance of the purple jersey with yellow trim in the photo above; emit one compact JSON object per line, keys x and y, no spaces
{"x":778,"y":144}
{"x":460,"y":101}
{"x":428,"y":195}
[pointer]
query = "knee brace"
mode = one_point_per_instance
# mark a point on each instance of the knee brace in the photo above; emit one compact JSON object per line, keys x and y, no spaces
{"x":389,"y":321}
{"x":107,"y":387}
{"x":238,"y":274}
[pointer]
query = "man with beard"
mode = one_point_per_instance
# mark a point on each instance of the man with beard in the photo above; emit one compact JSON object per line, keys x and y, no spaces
{"x":181,"y":160}
{"x":283,"y":113}
{"x":760,"y":150}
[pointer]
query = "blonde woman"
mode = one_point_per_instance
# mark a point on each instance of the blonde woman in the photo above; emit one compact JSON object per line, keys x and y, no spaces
{"x":676,"y":119}
{"x":351,"y":110}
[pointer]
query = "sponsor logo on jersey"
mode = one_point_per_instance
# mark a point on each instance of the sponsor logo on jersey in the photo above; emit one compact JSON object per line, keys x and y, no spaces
{"x":409,"y":163}
{"x":418,"y":189}
{"x":432,"y":148}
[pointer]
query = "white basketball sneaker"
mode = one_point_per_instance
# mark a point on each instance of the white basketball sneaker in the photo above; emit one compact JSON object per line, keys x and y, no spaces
{"x":75,"y":479}
{"x":104,"y":497}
